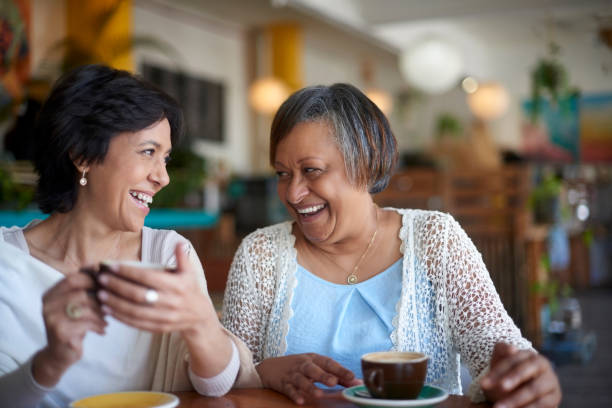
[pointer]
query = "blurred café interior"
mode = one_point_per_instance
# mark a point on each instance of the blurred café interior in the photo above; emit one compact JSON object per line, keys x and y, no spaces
{"x":502,"y":111}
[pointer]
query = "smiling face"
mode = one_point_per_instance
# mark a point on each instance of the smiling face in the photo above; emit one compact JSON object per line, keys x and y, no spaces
{"x":313,"y":184}
{"x":120,"y":189}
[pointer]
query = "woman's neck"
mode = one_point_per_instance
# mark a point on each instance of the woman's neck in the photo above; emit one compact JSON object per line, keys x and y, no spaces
{"x":68,"y":241}
{"x":336,"y":258}
{"x":378,"y":239}
{"x":352,"y":239}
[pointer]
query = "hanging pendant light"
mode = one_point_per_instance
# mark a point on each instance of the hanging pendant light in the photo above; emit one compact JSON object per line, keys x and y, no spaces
{"x":267,"y":94}
{"x":381,"y":98}
{"x":433,"y":65}
{"x":489,"y":101}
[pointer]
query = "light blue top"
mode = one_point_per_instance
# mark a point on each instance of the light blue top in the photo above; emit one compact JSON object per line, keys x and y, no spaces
{"x":344,"y":321}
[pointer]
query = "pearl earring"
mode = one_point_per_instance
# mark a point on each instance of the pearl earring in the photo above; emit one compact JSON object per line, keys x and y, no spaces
{"x":83,"y":180}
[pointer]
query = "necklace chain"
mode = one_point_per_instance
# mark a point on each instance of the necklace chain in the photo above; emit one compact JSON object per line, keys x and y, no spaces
{"x":352,"y":278}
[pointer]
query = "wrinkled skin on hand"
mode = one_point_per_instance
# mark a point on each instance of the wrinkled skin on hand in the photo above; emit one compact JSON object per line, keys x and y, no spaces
{"x":181,"y":307}
{"x":296,"y":375}
{"x":520,"y":378}
{"x":65,"y":335}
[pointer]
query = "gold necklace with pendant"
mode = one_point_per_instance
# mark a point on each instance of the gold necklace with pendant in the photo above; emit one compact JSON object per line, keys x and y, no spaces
{"x":351,"y":279}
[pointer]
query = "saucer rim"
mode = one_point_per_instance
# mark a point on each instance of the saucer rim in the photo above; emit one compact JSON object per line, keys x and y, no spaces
{"x":174,"y":400}
{"x":376,"y":402}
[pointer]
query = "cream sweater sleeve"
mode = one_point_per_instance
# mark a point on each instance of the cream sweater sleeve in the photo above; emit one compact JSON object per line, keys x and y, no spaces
{"x":172,"y":370}
{"x":477,"y":316}
{"x":240,"y":370}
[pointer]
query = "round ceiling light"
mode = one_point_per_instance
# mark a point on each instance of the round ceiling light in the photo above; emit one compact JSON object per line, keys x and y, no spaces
{"x":267,"y":94}
{"x":381,"y":98}
{"x":433,"y":66}
{"x":489,"y":101}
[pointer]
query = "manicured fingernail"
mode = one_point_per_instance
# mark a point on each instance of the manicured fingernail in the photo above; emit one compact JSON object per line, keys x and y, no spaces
{"x":507,"y":384}
{"x":103,"y":279}
{"x":107,"y":309}
{"x":102,"y":295}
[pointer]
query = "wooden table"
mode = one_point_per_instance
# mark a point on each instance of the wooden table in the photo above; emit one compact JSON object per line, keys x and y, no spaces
{"x":263,"y":398}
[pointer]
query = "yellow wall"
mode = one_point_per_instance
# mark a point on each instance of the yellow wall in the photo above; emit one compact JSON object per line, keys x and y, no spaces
{"x":103,"y":28}
{"x":286,"y":49}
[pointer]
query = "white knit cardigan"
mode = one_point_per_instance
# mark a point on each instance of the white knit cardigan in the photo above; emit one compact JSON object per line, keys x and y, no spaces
{"x":444,"y":279}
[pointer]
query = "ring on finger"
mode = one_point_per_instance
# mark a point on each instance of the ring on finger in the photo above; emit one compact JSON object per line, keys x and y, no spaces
{"x":74,"y":311}
{"x":151,"y":296}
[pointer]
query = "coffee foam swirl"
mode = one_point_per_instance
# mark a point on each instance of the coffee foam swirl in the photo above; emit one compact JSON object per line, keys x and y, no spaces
{"x":394,"y":357}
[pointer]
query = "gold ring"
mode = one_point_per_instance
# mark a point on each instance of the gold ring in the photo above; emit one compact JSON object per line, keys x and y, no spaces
{"x":74,"y":311}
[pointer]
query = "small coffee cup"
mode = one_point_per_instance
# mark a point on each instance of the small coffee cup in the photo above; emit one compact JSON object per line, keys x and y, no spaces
{"x":110,"y":267}
{"x":394,"y":374}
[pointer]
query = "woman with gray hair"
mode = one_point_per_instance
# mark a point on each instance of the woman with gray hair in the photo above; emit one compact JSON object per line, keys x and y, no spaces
{"x":344,"y":277}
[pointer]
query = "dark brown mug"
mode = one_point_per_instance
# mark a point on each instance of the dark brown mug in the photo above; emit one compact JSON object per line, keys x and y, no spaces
{"x":394,"y":374}
{"x":108,"y":267}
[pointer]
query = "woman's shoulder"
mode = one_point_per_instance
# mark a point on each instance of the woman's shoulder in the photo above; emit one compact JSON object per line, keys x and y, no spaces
{"x":424,"y":227}
{"x":158,"y":244}
{"x":14,"y":236}
{"x":162,"y":235}
{"x":261,"y":249}
{"x":422,"y":218}
{"x":271,"y":234}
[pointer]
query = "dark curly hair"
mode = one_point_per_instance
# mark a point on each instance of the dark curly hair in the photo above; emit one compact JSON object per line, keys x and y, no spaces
{"x":87,"y":107}
{"x":361,"y":130}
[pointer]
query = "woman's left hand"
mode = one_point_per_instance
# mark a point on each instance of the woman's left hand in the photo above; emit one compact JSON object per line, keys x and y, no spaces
{"x":520,"y":378}
{"x":180,"y":304}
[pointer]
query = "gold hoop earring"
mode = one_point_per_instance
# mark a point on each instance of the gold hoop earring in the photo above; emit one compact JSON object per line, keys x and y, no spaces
{"x":83,"y":180}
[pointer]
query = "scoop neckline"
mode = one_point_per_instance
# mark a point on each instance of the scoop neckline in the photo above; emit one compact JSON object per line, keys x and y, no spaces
{"x":386,"y":271}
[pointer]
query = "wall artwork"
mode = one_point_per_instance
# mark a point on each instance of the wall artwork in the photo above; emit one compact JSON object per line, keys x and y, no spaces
{"x":596,"y":127}
{"x":202,"y":100}
{"x":14,"y":50}
{"x":556,"y":134}
{"x":574,"y":129}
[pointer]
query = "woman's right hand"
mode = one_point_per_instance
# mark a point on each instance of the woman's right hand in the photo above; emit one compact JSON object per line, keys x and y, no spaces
{"x":296,"y":374}
{"x":69,"y":313}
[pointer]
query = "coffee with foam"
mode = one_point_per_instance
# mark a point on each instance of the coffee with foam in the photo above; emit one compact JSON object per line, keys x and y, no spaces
{"x":394,"y":374}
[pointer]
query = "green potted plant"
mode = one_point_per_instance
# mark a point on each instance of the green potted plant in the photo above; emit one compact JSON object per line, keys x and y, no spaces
{"x":448,"y":125}
{"x":549,"y":82}
{"x":13,"y":195}
{"x":555,"y":295}
{"x":544,"y":200}
{"x":187,"y":174}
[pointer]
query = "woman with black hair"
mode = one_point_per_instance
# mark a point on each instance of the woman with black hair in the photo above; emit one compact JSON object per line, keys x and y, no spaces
{"x":103,"y":140}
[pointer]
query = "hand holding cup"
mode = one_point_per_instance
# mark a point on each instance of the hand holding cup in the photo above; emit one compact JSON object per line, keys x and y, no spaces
{"x":68,"y":314}
{"x":155,"y":298}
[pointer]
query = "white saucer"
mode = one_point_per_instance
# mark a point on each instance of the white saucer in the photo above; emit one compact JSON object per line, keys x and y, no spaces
{"x":131,"y":399}
{"x":429,"y":395}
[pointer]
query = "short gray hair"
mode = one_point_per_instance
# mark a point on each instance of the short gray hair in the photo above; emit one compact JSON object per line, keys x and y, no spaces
{"x":361,"y":130}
